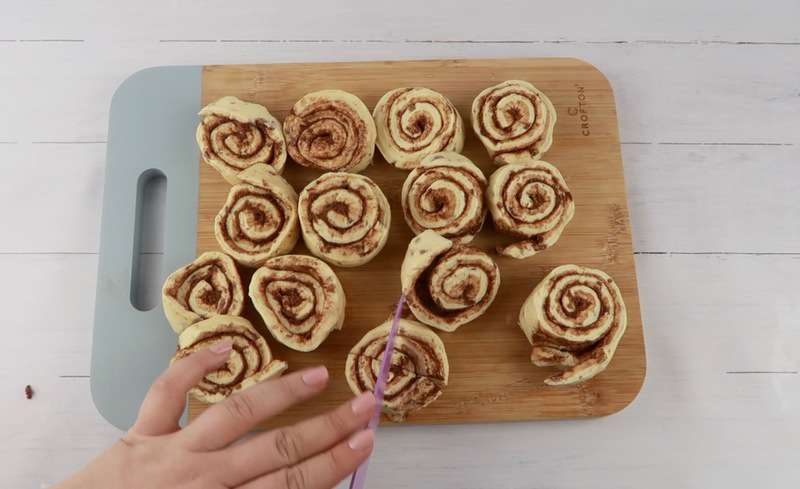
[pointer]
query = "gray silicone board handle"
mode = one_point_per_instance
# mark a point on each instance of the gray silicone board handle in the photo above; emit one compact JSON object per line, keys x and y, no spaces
{"x":151,"y":129}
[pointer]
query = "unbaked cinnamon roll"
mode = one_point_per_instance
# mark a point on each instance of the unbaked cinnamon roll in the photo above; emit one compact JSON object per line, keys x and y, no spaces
{"x":249,"y":363}
{"x":330,"y":130}
{"x":418,"y":372}
{"x":574,"y":318}
{"x":514,"y":121}
{"x":300,"y":299}
{"x":344,"y":218}
{"x":233,"y":135}
{"x":447,"y":285}
{"x":415,"y":122}
{"x":445,"y":194}
{"x":259,"y":218}
{"x":209,"y":286}
{"x":531,"y":202}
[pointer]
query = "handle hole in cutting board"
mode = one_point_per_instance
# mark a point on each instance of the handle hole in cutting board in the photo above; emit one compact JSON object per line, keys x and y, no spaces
{"x":148,"y":246}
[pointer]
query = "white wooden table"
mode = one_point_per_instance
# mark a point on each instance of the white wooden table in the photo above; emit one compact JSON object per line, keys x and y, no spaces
{"x":709,"y":106}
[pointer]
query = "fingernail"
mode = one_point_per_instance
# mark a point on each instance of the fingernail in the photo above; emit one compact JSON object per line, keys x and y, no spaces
{"x":363,"y":403}
{"x":221,"y":347}
{"x":316,"y":376}
{"x":361,"y":440}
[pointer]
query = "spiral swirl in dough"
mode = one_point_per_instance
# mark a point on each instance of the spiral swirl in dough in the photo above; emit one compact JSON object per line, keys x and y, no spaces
{"x":344,"y":218}
{"x":330,"y":130}
{"x":418,"y":372}
{"x":514,"y":121}
{"x":209,"y":286}
{"x":259,"y":218}
{"x":529,"y":201}
{"x":233,"y":135}
{"x":300,"y":299}
{"x":249,"y":363}
{"x":415,"y":122}
{"x":445,"y":194}
{"x":574,"y":318}
{"x":447,"y":286}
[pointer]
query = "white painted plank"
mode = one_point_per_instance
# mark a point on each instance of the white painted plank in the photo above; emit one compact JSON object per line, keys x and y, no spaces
{"x":52,"y":314}
{"x":714,"y":198}
{"x":708,"y":315}
{"x":693,"y":425}
{"x":665,"y":93}
{"x":51,"y":197}
{"x":51,"y":436}
{"x":47,"y":333}
{"x":681,"y":20}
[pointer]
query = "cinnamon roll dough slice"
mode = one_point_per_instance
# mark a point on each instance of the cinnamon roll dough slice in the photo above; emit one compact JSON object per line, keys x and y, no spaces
{"x":249,"y":363}
{"x":415,"y":122}
{"x":209,"y":286}
{"x":445,"y":193}
{"x":574,"y":318}
{"x":514,"y":121}
{"x":330,"y":130}
{"x":300,"y":299}
{"x":447,"y":285}
{"x":418,"y":373}
{"x":233,"y":135}
{"x":259,"y":218}
{"x":344,"y":218}
{"x":531,"y":202}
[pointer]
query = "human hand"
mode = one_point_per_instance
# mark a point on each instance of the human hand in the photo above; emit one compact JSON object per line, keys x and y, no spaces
{"x":157,"y":454}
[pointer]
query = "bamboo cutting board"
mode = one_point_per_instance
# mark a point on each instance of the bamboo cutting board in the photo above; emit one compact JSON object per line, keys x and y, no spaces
{"x":491,"y":377}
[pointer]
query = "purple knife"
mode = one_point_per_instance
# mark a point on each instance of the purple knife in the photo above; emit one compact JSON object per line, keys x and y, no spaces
{"x":360,"y":475}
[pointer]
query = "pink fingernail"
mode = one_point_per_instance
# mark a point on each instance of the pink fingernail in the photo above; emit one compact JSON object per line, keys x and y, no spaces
{"x":363,"y":403}
{"x":316,"y":377}
{"x":361,"y":440}
{"x":221,"y":347}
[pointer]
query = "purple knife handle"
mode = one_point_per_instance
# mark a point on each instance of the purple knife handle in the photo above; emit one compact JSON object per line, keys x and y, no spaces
{"x":360,"y":475}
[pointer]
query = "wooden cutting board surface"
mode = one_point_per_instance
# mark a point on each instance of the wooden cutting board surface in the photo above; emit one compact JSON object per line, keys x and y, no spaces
{"x":491,"y":377}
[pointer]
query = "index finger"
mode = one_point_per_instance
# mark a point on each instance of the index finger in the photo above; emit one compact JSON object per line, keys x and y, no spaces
{"x":163,"y":405}
{"x":225,"y":422}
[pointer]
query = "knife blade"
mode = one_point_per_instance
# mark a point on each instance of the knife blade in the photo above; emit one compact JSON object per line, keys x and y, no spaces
{"x":360,"y":475}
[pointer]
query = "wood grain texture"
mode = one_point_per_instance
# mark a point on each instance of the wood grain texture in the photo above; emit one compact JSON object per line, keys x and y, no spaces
{"x":491,"y":375}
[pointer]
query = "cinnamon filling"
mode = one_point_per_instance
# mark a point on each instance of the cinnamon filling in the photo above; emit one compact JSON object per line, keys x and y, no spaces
{"x":579,"y":304}
{"x":210,"y":297}
{"x":365,"y":244}
{"x":260,"y":218}
{"x":290,"y":298}
{"x":230,"y":331}
{"x":443,"y":205}
{"x":239,"y":140}
{"x":324,"y":131}
{"x":562,"y":198}
{"x":466,"y":291}
{"x":421,"y":126}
